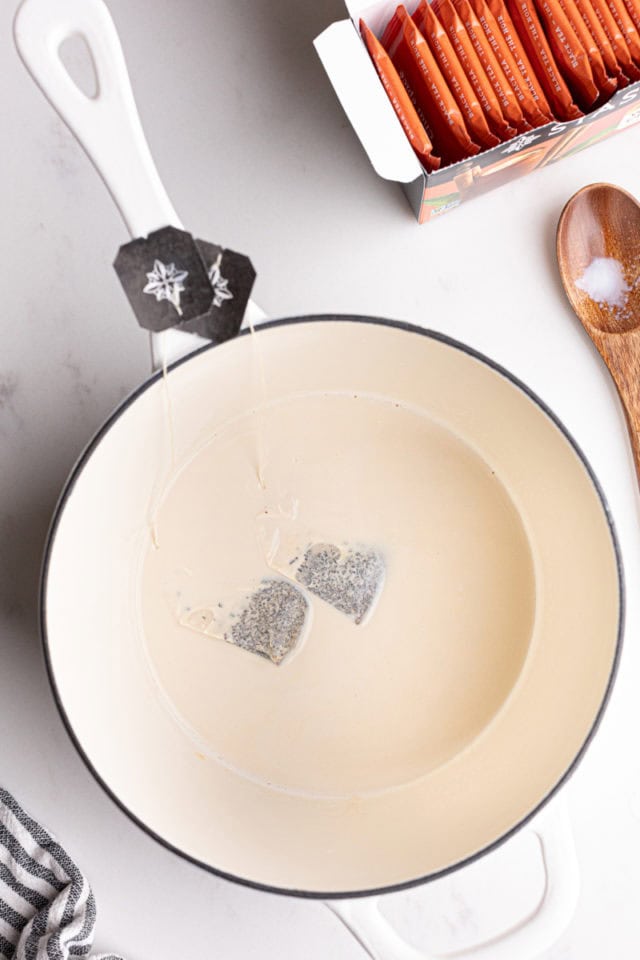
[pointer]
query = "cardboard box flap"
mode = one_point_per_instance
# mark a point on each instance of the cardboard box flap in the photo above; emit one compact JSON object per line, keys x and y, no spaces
{"x":365,"y":102}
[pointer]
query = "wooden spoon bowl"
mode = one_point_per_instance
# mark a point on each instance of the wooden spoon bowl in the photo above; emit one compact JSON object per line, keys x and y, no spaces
{"x":598,"y":250}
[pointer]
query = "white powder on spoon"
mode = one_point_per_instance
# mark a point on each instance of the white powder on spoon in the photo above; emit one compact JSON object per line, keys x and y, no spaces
{"x":604,"y":282}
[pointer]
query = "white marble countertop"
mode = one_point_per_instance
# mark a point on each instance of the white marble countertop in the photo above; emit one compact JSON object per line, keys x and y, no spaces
{"x":257,"y":154}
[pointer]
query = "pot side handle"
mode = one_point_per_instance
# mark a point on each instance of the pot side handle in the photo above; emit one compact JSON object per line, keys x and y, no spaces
{"x":528,"y":940}
{"x":107,"y":125}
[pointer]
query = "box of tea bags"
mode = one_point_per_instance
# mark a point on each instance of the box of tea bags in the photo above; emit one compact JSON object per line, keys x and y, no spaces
{"x":543,"y":78}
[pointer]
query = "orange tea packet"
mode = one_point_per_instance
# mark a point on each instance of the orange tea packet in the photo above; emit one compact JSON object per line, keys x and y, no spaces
{"x":633,"y":9}
{"x":506,"y":97}
{"x":597,"y":31}
{"x":446,"y":13}
{"x":569,"y":53}
{"x":528,"y":74}
{"x":605,"y":84}
{"x":527,"y":23}
{"x":504,"y":57}
{"x":400,"y":101}
{"x":627,"y":27}
{"x":419,"y":72}
{"x":618,"y":42}
{"x":446,"y":58}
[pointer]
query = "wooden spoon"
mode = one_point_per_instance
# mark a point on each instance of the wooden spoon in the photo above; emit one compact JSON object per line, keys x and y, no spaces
{"x":598,"y":250}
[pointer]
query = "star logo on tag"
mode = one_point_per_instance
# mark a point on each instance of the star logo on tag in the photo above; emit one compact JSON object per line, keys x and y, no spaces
{"x":165,"y":282}
{"x":219,"y":284}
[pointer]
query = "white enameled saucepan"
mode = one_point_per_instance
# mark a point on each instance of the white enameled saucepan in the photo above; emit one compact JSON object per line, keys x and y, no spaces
{"x":379,"y":755}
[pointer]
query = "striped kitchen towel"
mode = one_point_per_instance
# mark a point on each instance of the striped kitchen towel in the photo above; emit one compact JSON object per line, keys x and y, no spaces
{"x":47,"y":909}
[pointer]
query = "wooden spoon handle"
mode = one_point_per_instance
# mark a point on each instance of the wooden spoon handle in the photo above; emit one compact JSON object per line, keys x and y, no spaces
{"x":621,"y":353}
{"x":633,"y":423}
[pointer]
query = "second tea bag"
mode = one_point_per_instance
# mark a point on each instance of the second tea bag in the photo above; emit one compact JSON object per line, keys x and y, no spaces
{"x":348,"y":575}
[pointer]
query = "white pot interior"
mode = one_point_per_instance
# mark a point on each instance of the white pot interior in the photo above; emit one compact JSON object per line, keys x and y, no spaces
{"x":378,"y":753}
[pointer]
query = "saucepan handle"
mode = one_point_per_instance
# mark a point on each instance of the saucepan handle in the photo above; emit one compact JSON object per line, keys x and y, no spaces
{"x":107,"y":125}
{"x":528,"y":940}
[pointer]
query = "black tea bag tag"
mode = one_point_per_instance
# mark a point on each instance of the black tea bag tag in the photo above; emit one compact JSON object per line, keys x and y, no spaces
{"x":164,"y":279}
{"x":231,"y":276}
{"x":172,"y":280}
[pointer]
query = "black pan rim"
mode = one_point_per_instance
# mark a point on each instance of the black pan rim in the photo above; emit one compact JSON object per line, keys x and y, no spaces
{"x":390,"y":888}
